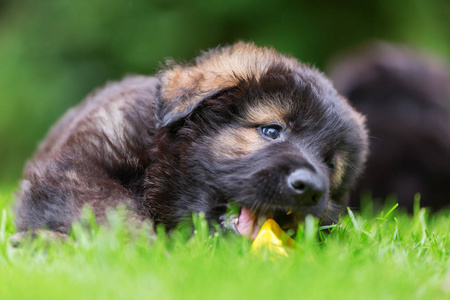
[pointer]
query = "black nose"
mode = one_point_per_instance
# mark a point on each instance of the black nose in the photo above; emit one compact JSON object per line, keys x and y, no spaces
{"x":307,"y":186}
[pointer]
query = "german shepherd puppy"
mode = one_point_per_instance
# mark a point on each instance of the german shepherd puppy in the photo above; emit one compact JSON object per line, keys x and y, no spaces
{"x":242,"y":125}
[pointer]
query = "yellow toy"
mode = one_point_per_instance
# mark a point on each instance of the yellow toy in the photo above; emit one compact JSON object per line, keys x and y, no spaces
{"x":272,"y":241}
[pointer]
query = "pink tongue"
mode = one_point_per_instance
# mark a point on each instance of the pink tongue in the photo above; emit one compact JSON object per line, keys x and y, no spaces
{"x":247,"y":225}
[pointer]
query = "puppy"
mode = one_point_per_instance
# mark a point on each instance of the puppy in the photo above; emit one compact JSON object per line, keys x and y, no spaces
{"x":404,"y":95}
{"x":241,"y":125}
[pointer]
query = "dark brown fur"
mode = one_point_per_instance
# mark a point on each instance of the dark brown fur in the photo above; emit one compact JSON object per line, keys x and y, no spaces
{"x":189,"y":140}
{"x":404,"y":95}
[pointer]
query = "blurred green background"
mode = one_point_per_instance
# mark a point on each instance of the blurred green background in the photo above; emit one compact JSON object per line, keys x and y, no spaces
{"x":54,"y":52}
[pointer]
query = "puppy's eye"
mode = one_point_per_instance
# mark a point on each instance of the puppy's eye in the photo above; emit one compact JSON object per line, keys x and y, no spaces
{"x":271,"y":131}
{"x":331,"y":165}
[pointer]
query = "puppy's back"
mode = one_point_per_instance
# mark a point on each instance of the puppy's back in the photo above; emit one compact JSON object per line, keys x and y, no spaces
{"x":95,"y":145}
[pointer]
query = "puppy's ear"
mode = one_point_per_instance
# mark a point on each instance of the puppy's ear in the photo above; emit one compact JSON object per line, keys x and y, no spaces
{"x":183,"y":88}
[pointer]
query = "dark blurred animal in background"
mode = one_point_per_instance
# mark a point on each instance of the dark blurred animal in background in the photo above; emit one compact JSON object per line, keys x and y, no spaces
{"x":404,"y":95}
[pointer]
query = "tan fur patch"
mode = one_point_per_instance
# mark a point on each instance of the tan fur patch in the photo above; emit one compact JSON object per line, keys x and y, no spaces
{"x":361,"y":121}
{"x":79,"y":181}
{"x":110,"y":120}
{"x":234,"y":143}
{"x":339,"y":170}
{"x":219,"y":69}
{"x":363,"y":132}
{"x":266,"y":112}
{"x":72,"y":175}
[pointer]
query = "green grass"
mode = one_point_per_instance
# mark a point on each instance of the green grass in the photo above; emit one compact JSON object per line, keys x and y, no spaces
{"x":387,"y":256}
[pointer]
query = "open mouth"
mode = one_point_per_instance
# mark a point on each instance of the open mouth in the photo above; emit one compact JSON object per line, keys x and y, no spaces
{"x":247,"y":223}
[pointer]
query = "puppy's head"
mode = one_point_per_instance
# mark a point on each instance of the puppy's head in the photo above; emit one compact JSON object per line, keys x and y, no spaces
{"x":263,"y":131}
